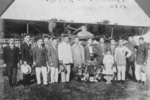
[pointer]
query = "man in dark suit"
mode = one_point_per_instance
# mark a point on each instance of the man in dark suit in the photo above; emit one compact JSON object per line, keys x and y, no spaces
{"x":131,"y":60}
{"x":100,"y":51}
{"x":11,"y":61}
{"x":40,"y":61}
{"x":53,"y":60}
{"x":112,"y":46}
{"x":26,"y":57}
{"x":89,"y":50}
{"x":46,"y":44}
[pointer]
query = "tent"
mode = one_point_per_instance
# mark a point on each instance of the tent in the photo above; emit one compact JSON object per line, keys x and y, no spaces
{"x":111,"y":12}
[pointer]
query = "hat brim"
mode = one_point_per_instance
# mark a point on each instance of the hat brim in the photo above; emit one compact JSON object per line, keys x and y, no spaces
{"x":143,"y":69}
{"x":26,"y":69}
{"x":48,"y":69}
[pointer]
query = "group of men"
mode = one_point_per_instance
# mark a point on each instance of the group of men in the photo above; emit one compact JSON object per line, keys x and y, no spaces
{"x":48,"y":52}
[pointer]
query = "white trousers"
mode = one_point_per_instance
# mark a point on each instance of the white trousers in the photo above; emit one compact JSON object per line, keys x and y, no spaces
{"x":121,"y":72}
{"x":65,"y":77}
{"x":54,"y":74}
{"x":139,"y":74}
{"x":42,"y":70}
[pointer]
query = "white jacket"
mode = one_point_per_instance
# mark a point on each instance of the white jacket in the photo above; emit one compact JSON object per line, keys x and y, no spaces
{"x":65,"y":53}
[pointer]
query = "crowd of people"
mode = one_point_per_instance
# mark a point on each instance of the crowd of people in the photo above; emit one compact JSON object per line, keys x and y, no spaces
{"x":93,"y":62}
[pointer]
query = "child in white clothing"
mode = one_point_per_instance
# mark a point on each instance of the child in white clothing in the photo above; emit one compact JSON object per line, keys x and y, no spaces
{"x":108,"y":62}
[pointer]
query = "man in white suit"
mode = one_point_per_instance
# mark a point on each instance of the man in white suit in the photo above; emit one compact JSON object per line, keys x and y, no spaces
{"x":65,"y":58}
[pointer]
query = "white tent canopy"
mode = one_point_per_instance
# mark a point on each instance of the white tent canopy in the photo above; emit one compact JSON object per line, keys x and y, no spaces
{"x":114,"y":12}
{"x":146,"y":36}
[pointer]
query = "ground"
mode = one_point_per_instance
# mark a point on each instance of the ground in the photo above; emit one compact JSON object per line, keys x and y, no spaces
{"x":78,"y":91}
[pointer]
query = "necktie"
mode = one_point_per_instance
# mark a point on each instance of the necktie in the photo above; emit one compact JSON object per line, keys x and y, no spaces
{"x":11,"y":47}
{"x":112,"y":49}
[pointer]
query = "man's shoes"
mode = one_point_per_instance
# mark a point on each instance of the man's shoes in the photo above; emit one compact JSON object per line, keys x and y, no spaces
{"x":103,"y":80}
{"x":67,"y":82}
{"x":142,"y":82}
{"x":135,"y":80}
{"x":39,"y":84}
{"x":122,"y":82}
{"x":51,"y":82}
{"x":46,"y":85}
{"x":127,"y":79}
{"x":139,"y":81}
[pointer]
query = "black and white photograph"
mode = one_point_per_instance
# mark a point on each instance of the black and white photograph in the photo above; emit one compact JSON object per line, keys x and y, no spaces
{"x":74,"y":50}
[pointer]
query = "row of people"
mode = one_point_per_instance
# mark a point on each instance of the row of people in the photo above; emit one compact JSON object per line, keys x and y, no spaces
{"x":56,"y":54}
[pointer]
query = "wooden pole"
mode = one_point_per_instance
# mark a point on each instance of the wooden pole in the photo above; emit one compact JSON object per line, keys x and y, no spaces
{"x":143,"y":31}
{"x":27,"y":28}
{"x":112,"y":31}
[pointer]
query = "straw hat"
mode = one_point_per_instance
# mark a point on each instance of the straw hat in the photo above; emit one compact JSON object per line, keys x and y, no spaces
{"x":26,"y":69}
{"x":143,"y":69}
{"x":62,"y":68}
{"x":91,"y":79}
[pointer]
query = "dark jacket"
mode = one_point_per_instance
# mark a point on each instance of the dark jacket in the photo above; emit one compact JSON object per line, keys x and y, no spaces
{"x":26,"y":53}
{"x":11,"y":56}
{"x":40,"y":56}
{"x":53,"y":56}
{"x":87,"y":52}
{"x":99,"y":53}
{"x":131,"y":46}
{"x":142,"y":54}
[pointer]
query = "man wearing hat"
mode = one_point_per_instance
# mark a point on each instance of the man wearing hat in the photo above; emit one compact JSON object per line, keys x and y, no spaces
{"x":53,"y":60}
{"x":40,"y":61}
{"x":26,"y":57}
{"x":11,"y":61}
{"x":141,"y":61}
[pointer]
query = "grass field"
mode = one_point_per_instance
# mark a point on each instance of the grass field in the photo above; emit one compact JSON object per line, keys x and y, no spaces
{"x":77,"y":91}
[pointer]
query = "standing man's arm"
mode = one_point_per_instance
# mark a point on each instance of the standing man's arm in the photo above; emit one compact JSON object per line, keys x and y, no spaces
{"x":82,"y":53}
{"x":4,"y":56}
{"x":23,"y":54}
{"x":146,"y":54}
{"x":71,"y":60}
{"x":18,"y":59}
{"x":60,"y":52}
{"x":116,"y":50}
{"x":46,"y":56}
{"x":49,"y":55}
{"x":129,"y":52}
{"x":96,"y":50}
{"x":34,"y":56}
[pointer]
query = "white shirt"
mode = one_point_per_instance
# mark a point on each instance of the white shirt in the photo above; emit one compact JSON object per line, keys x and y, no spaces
{"x":11,"y":46}
{"x":65,"y":53}
{"x":90,"y":49}
{"x":120,"y":55}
